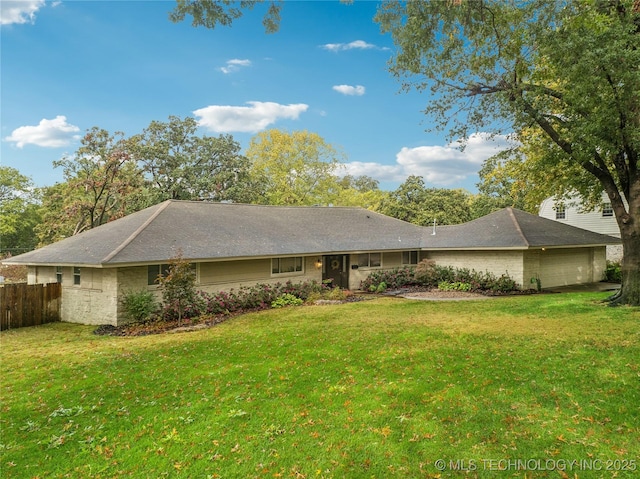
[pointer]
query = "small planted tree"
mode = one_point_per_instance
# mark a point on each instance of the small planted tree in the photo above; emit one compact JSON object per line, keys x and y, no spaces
{"x":179,"y":295}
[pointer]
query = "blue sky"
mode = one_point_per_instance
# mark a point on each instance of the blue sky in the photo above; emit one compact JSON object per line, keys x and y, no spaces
{"x":67,"y":66}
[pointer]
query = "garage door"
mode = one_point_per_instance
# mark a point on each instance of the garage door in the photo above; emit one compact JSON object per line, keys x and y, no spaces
{"x":562,"y":267}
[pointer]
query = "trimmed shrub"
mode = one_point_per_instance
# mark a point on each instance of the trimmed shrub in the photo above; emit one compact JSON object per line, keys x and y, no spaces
{"x":286,"y":300}
{"x":139,"y":306}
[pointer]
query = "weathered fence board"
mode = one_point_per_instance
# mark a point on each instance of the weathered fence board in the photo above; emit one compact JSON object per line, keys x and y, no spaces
{"x":24,"y":305}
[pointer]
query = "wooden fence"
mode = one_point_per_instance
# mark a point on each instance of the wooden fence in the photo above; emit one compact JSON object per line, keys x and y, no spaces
{"x":24,"y":305}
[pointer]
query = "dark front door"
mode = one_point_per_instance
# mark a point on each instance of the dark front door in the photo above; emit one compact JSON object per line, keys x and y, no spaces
{"x":335,"y":267}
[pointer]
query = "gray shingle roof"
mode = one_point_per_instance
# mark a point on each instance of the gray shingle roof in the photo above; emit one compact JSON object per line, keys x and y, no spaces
{"x":201,"y":231}
{"x":512,"y":228}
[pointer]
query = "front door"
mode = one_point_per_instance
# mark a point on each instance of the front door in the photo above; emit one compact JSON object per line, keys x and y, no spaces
{"x":335,"y":267}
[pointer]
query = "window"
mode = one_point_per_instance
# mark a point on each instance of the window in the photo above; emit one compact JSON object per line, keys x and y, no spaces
{"x":561,"y":212}
{"x":370,"y":260}
{"x":286,"y":265}
{"x":607,"y":209}
{"x":154,"y":270}
{"x":409,"y":257}
{"x":76,"y":275}
{"x":58,"y":274}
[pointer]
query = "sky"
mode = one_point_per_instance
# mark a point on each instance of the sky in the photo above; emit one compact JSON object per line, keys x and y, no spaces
{"x":67,"y":66}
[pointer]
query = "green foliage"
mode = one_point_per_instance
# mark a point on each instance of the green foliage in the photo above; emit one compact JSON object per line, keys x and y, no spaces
{"x":297,"y":168}
{"x":613,"y":272}
{"x":415,"y":203}
{"x":286,"y":299}
{"x":542,"y":370}
{"x":259,"y":296}
{"x":455,"y":286}
{"x":101,"y":181}
{"x":391,"y":279}
{"x":19,"y":212}
{"x":564,"y":76}
{"x":180,"y":298}
{"x":428,"y":274}
{"x":182,"y":165}
{"x":211,"y":13}
{"x":139,"y":306}
{"x":382,"y":287}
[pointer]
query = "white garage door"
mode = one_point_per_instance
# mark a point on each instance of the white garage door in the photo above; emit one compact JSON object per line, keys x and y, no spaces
{"x":562,"y":267}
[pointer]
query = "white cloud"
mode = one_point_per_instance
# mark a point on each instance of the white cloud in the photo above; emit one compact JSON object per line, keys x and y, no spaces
{"x":249,"y":119}
{"x":234,"y":65}
{"x":48,"y":133}
{"x":438,"y":165}
{"x":376,"y":170}
{"x":355,"y":45}
{"x":357,"y":90}
{"x":19,"y":11}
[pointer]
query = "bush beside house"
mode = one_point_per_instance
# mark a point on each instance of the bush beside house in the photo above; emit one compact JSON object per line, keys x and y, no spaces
{"x":430,"y":275}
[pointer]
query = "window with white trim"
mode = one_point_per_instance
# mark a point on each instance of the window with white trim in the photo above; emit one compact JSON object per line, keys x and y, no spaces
{"x":58,"y":274}
{"x":286,"y":265}
{"x":607,"y":210}
{"x":561,"y":212}
{"x":76,"y":275}
{"x":370,"y":260}
{"x":409,"y":257}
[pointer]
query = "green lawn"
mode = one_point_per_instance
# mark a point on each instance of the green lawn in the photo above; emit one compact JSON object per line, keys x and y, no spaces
{"x":375,"y":389}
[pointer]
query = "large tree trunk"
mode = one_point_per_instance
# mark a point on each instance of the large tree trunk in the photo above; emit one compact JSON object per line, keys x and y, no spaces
{"x":630,"y":234}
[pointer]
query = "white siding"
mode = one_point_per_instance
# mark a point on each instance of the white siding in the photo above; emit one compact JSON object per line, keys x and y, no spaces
{"x":576,"y":216}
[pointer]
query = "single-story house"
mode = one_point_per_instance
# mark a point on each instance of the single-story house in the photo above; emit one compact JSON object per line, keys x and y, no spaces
{"x":235,"y":245}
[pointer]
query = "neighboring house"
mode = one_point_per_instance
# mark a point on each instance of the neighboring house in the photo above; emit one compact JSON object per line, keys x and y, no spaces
{"x":600,"y":220}
{"x":235,"y":245}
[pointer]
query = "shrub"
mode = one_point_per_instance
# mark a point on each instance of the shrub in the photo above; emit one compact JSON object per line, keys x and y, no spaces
{"x":286,"y":299}
{"x":139,"y":306}
{"x":260,"y":296}
{"x":613,"y":272}
{"x":428,"y":274}
{"x":393,"y":279}
{"x":457,"y":286}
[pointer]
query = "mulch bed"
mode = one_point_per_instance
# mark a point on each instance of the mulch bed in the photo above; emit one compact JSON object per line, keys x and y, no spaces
{"x":194,"y":324}
{"x":160,"y":326}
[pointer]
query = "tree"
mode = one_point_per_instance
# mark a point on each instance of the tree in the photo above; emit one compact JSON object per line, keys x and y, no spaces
{"x":504,"y":182}
{"x":179,"y":295}
{"x":18,"y":212}
{"x":415,"y":203}
{"x":569,"y":70}
{"x":297,"y":168}
{"x":102,"y":183}
{"x":182,"y":165}
{"x":209,"y":13}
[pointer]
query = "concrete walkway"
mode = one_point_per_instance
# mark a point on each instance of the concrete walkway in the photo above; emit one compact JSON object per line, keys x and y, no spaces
{"x":584,"y":288}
